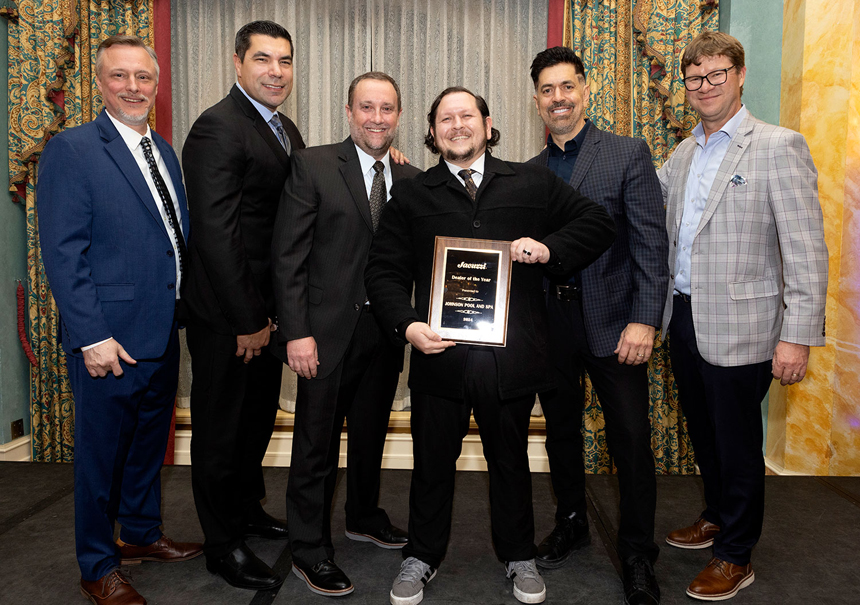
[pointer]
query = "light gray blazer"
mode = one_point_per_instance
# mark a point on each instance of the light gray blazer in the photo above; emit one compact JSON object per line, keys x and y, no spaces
{"x":759,"y":261}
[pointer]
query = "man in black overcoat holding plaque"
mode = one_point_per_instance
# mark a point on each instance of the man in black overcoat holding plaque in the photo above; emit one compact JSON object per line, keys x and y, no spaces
{"x":471,"y":194}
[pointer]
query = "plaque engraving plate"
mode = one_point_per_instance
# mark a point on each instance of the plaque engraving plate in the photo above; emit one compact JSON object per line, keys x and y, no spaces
{"x":470,"y":291}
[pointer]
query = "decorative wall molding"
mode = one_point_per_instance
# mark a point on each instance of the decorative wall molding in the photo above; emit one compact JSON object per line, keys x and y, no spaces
{"x":17,"y":450}
{"x":398,"y":445}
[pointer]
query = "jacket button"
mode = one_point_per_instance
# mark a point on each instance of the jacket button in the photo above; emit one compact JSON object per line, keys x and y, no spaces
{"x":171,"y":286}
{"x":476,"y":223}
{"x":356,"y":306}
{"x":170,"y":253}
{"x":672,"y":276}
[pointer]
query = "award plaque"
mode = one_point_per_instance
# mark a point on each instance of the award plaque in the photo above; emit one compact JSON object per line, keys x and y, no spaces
{"x":470,"y":291}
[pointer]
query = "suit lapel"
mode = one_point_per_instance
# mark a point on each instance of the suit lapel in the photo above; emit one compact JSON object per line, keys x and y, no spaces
{"x":119,"y":152}
{"x":350,"y":169}
{"x":727,"y":168}
{"x":679,"y":186}
{"x":585,"y":157}
{"x":260,"y":125}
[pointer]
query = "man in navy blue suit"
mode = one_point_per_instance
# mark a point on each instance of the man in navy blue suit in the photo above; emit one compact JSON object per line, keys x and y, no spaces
{"x":113,"y":223}
{"x":603,"y":320}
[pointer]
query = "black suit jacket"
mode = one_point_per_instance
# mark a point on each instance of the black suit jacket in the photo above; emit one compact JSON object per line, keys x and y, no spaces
{"x":322,"y":237}
{"x":513,"y":201}
{"x":628,"y":282}
{"x":235,"y":169}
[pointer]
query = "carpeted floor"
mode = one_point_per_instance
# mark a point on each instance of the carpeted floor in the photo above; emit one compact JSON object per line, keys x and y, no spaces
{"x":808,"y":553}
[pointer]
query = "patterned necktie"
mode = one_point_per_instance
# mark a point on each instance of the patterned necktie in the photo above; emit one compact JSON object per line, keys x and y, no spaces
{"x":282,"y":135}
{"x":378,"y":194}
{"x":164,"y":194}
{"x":471,"y":188}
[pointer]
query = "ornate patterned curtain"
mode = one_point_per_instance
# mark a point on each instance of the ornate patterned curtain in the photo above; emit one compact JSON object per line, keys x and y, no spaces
{"x":599,"y":32}
{"x":52,"y":87}
{"x":626,"y":99}
{"x":663,"y":28}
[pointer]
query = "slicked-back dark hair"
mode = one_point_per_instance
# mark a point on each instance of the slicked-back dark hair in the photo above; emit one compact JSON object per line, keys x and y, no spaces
{"x":372,"y":75}
{"x":555,"y":56}
{"x":430,"y":141}
{"x":264,"y":28}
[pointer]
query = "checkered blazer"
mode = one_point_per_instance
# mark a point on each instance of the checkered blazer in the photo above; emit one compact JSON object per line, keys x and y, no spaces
{"x":759,"y":261}
{"x":628,"y":282}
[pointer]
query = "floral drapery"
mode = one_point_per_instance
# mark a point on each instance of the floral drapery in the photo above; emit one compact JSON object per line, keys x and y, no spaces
{"x":636,"y":90}
{"x":599,"y":32}
{"x":662,"y":28}
{"x":52,"y":87}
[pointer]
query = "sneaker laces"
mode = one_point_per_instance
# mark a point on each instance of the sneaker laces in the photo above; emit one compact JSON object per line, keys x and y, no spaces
{"x":524,"y":569}
{"x":412,"y":570}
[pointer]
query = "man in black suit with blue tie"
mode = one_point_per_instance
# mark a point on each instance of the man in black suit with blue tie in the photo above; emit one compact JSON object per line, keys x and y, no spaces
{"x":236,"y":159}
{"x":603,"y":321}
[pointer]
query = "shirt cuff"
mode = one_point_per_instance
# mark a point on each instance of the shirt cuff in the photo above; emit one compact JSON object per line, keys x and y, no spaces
{"x":101,"y":342}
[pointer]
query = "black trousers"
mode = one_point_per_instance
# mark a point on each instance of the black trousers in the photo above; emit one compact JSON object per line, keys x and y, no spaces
{"x":361,"y":390}
{"x":438,"y":428}
{"x":623,"y":393}
{"x":233,"y":410}
{"x":723,"y":410}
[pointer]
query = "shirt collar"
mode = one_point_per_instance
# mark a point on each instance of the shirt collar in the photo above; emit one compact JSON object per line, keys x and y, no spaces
{"x":129,"y":135}
{"x":264,"y":111}
{"x":575,"y":142}
{"x":367,"y":161}
{"x":729,"y":128}
{"x":477,"y":166}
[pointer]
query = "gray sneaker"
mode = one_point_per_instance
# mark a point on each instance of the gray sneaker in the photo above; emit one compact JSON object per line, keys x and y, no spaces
{"x":528,"y":583}
{"x":408,"y":587}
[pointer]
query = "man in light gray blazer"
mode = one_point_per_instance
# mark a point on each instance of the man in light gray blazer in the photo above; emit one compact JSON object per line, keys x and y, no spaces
{"x":746,"y":296}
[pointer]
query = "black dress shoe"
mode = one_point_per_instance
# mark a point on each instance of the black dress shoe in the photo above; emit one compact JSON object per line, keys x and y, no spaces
{"x":261,"y":524}
{"x":324,"y":578}
{"x":388,"y":537}
{"x":243,"y":569}
{"x":569,"y":534}
{"x":640,"y":583}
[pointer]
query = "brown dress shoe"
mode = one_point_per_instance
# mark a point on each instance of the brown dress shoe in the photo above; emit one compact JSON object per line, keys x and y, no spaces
{"x":164,"y":550}
{"x":113,"y":589}
{"x":699,"y":535}
{"x":720,"y":580}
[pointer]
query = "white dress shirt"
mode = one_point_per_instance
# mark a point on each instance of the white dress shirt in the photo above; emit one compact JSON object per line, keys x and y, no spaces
{"x":477,"y":168}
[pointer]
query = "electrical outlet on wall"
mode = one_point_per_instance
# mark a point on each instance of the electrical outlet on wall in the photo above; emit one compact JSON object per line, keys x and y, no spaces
{"x":17,"y":428}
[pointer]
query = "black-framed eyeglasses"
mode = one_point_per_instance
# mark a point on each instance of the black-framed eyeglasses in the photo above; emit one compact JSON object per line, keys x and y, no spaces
{"x":715,"y":78}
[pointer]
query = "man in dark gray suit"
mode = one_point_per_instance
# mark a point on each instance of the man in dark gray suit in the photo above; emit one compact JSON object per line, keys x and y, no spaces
{"x":603,"y":320}
{"x":347,"y":367}
{"x":236,"y":160}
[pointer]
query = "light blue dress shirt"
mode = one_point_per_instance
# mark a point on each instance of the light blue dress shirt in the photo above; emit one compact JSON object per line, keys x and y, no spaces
{"x":703,"y":170}
{"x":267,"y":114}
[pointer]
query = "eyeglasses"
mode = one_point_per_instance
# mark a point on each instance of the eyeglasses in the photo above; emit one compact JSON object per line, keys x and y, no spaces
{"x":715,"y":78}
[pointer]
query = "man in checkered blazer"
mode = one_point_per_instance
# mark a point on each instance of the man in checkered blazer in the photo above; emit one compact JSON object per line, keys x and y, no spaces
{"x":603,"y":321}
{"x":745,"y":300}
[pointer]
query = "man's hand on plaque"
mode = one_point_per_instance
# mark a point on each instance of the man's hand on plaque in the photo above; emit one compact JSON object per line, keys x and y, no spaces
{"x":529,"y":251}
{"x":426,"y":340}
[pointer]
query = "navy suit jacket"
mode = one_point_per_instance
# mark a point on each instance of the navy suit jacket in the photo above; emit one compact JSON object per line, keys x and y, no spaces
{"x":107,"y":253}
{"x":627,"y":284}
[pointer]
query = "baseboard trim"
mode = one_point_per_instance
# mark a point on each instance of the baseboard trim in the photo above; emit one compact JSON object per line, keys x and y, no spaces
{"x":778,"y":469}
{"x":398,"y":445}
{"x":18,"y":450}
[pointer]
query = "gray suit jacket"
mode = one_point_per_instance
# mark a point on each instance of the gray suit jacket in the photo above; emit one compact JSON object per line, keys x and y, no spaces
{"x":628,"y":282}
{"x":759,"y":261}
{"x":323,"y":233}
